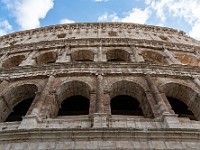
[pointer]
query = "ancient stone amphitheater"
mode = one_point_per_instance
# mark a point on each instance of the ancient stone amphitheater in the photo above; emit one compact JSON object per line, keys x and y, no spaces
{"x":99,"y":86}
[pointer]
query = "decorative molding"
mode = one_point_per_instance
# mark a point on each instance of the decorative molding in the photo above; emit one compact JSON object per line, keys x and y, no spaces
{"x":69,"y":69}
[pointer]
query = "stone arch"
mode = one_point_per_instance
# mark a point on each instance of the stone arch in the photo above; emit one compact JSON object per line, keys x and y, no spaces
{"x":131,"y":90}
{"x":118,"y":55}
{"x":185,"y":94}
{"x":188,"y":59}
{"x":47,"y":57}
{"x":14,"y":96}
{"x":154,"y":57}
{"x":72,"y":90}
{"x":82,"y":55}
{"x":13,"y":61}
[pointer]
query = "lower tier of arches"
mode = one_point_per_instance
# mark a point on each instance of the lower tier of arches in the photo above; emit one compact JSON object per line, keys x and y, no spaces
{"x":76,"y":98}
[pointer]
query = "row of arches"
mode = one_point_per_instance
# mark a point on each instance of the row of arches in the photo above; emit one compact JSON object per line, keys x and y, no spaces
{"x":125,"y":98}
{"x":116,"y":55}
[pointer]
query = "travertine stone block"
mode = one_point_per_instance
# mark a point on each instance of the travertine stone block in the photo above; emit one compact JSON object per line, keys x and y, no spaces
{"x":171,"y":121}
{"x":100,"y":120}
{"x":99,"y":86}
{"x":29,"y":122}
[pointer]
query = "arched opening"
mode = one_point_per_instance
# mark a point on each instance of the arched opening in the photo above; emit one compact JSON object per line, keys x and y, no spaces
{"x":19,"y":110}
{"x":82,"y":55}
{"x":74,"y":105}
{"x":154,"y":57}
{"x":46,"y":58}
{"x":13,"y":61}
{"x":118,"y":55}
{"x":74,"y":98}
{"x":15,"y":103}
{"x":180,"y":108}
{"x":129,"y":98}
{"x":188,"y":59}
{"x":184,"y":98}
{"x":125,"y":105}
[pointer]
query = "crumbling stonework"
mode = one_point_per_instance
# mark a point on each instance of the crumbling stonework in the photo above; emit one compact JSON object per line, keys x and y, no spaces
{"x":81,"y":81}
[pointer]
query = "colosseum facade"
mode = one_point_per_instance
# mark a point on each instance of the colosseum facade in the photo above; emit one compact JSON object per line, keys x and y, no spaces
{"x":99,"y":86}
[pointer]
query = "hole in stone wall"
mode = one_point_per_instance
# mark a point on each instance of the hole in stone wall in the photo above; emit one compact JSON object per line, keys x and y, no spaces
{"x":19,"y":110}
{"x":13,"y":43}
{"x":45,"y":58}
{"x":74,"y":105}
{"x":13,"y":61}
{"x":154,"y":57}
{"x":82,"y":55}
{"x":118,"y":55}
{"x":164,"y":38}
{"x":112,"y":33}
{"x":62,"y":35}
{"x":125,"y":105}
{"x":180,"y":108}
{"x":188,"y":59}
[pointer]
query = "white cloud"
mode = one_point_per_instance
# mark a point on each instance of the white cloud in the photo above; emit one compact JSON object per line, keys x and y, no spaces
{"x":136,"y":16}
{"x":29,"y":12}
{"x":184,"y":9}
{"x":63,"y":21}
{"x":5,"y":24}
{"x":109,"y":18}
{"x":5,"y":27}
{"x":195,"y":32}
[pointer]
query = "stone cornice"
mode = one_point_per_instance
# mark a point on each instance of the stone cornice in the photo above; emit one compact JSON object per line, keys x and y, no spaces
{"x":99,"y":133}
{"x":95,"y":26}
{"x":77,"y":69}
{"x":93,"y":42}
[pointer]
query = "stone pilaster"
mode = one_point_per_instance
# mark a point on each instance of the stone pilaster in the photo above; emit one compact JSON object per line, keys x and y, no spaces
{"x":171,"y":58}
{"x":170,"y":120}
{"x":44,"y":95}
{"x":197,"y":52}
{"x":137,"y":55}
{"x":107,"y":107}
{"x":29,"y":60}
{"x":4,"y":84}
{"x":99,"y":95}
{"x":31,"y":120}
{"x":152,"y":103}
{"x":5,"y":109}
{"x":50,"y":107}
{"x":132,"y":58}
{"x":197,"y":82}
{"x":156,"y":94}
{"x":64,"y":55}
{"x":100,"y":118}
{"x":92,"y":102}
{"x":100,"y":55}
{"x":2,"y":58}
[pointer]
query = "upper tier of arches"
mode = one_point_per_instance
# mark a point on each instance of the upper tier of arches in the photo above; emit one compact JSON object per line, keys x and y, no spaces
{"x":111,"y":55}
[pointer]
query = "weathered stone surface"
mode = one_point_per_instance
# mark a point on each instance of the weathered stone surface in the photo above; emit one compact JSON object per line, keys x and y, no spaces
{"x":95,"y":63}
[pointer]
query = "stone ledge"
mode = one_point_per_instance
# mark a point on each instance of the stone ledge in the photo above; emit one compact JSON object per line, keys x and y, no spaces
{"x":105,"y":42}
{"x":69,"y":69}
{"x":101,"y":133}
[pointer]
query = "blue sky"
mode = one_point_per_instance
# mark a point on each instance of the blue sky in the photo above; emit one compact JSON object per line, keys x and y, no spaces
{"x":17,"y":15}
